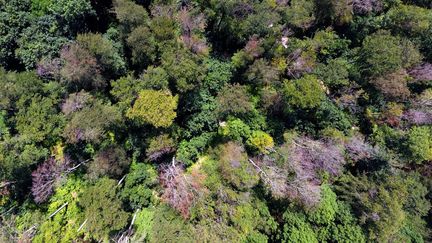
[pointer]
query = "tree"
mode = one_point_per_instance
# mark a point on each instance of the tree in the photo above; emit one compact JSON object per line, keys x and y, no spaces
{"x":335,"y":73}
{"x":155,"y":78}
{"x":409,"y":19}
{"x":234,"y":166}
{"x":261,"y":73}
{"x":297,"y":229}
{"x":40,"y":39}
{"x":184,"y":68}
{"x":39,"y":120}
{"x":72,"y":14}
{"x":393,"y":85}
{"x":129,"y":14}
{"x":419,"y":144}
{"x":143,"y":46}
{"x":14,"y":18}
{"x":303,"y":93}
{"x":90,"y":122}
{"x":189,"y":150}
{"x":103,"y":209}
{"x":235,"y":130}
{"x":233,"y":99}
{"x":383,"y":53}
{"x":111,"y":162}
{"x":261,"y":141}
{"x":45,"y":176}
{"x":80,"y":69}
{"x":139,"y":185}
{"x":160,"y":146}
{"x":365,"y":7}
{"x":107,"y":55}
{"x":153,"y":107}
{"x":180,"y":190}
{"x":63,"y":226}
{"x":301,"y":14}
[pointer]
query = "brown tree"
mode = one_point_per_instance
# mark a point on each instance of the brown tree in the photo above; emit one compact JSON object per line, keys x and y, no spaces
{"x":80,"y":68}
{"x":45,"y":177}
{"x":181,"y":190}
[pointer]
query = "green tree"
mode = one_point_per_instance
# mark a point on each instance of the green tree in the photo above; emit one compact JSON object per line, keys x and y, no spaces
{"x":103,"y":209}
{"x":90,"y":123}
{"x":14,"y":18}
{"x":409,"y":20}
{"x":142,"y":45}
{"x":234,"y":100}
{"x":107,"y":55}
{"x":260,"y":141}
{"x":63,"y":227}
{"x":129,"y":14}
{"x":71,"y":14}
{"x":303,"y":93}
{"x":235,"y":167}
{"x":111,"y":162}
{"x":419,"y":144}
{"x":301,"y":13}
{"x":297,"y":229}
{"x":39,"y":120}
{"x":154,"y":107}
{"x":383,"y":53}
{"x":185,"y":69}
{"x":41,"y":39}
{"x":139,"y":186}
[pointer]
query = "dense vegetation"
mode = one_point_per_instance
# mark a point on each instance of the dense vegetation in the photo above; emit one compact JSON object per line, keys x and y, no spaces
{"x":215,"y":121}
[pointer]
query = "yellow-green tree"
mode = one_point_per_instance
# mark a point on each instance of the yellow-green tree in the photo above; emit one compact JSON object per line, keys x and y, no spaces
{"x":154,"y":107}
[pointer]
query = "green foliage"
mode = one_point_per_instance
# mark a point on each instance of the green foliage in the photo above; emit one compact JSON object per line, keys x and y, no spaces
{"x":155,"y":78}
{"x":110,"y":162}
{"x":297,"y":229}
{"x":184,"y":69}
{"x":72,"y":14}
{"x":130,"y":14}
{"x":63,"y":227}
{"x":235,"y":167}
{"x":301,"y":13}
{"x":260,"y":141}
{"x":329,"y":115}
{"x":103,"y":210}
{"x":188,"y":151}
{"x":126,"y":90}
{"x":303,"y":93}
{"x":234,"y":100}
{"x":154,"y":107}
{"x":90,"y":124}
{"x":419,"y":144}
{"x":409,"y":19}
{"x":40,"y":39}
{"x":38,"y":120}
{"x":216,"y":121}
{"x":168,"y":226}
{"x":383,"y":53}
{"x":14,"y":18}
{"x":144,"y":224}
{"x":335,"y":73}
{"x":139,"y":183}
{"x":325,"y":212}
{"x":235,"y":130}
{"x":106,"y":53}
{"x":142,"y":45}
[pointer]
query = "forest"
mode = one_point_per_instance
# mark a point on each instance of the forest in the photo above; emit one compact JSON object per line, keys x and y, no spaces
{"x":254,"y":121}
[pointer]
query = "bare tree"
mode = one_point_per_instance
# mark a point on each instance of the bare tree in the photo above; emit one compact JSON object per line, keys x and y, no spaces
{"x":366,"y":6}
{"x":180,"y":189}
{"x":45,"y":176}
{"x":298,"y":178}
